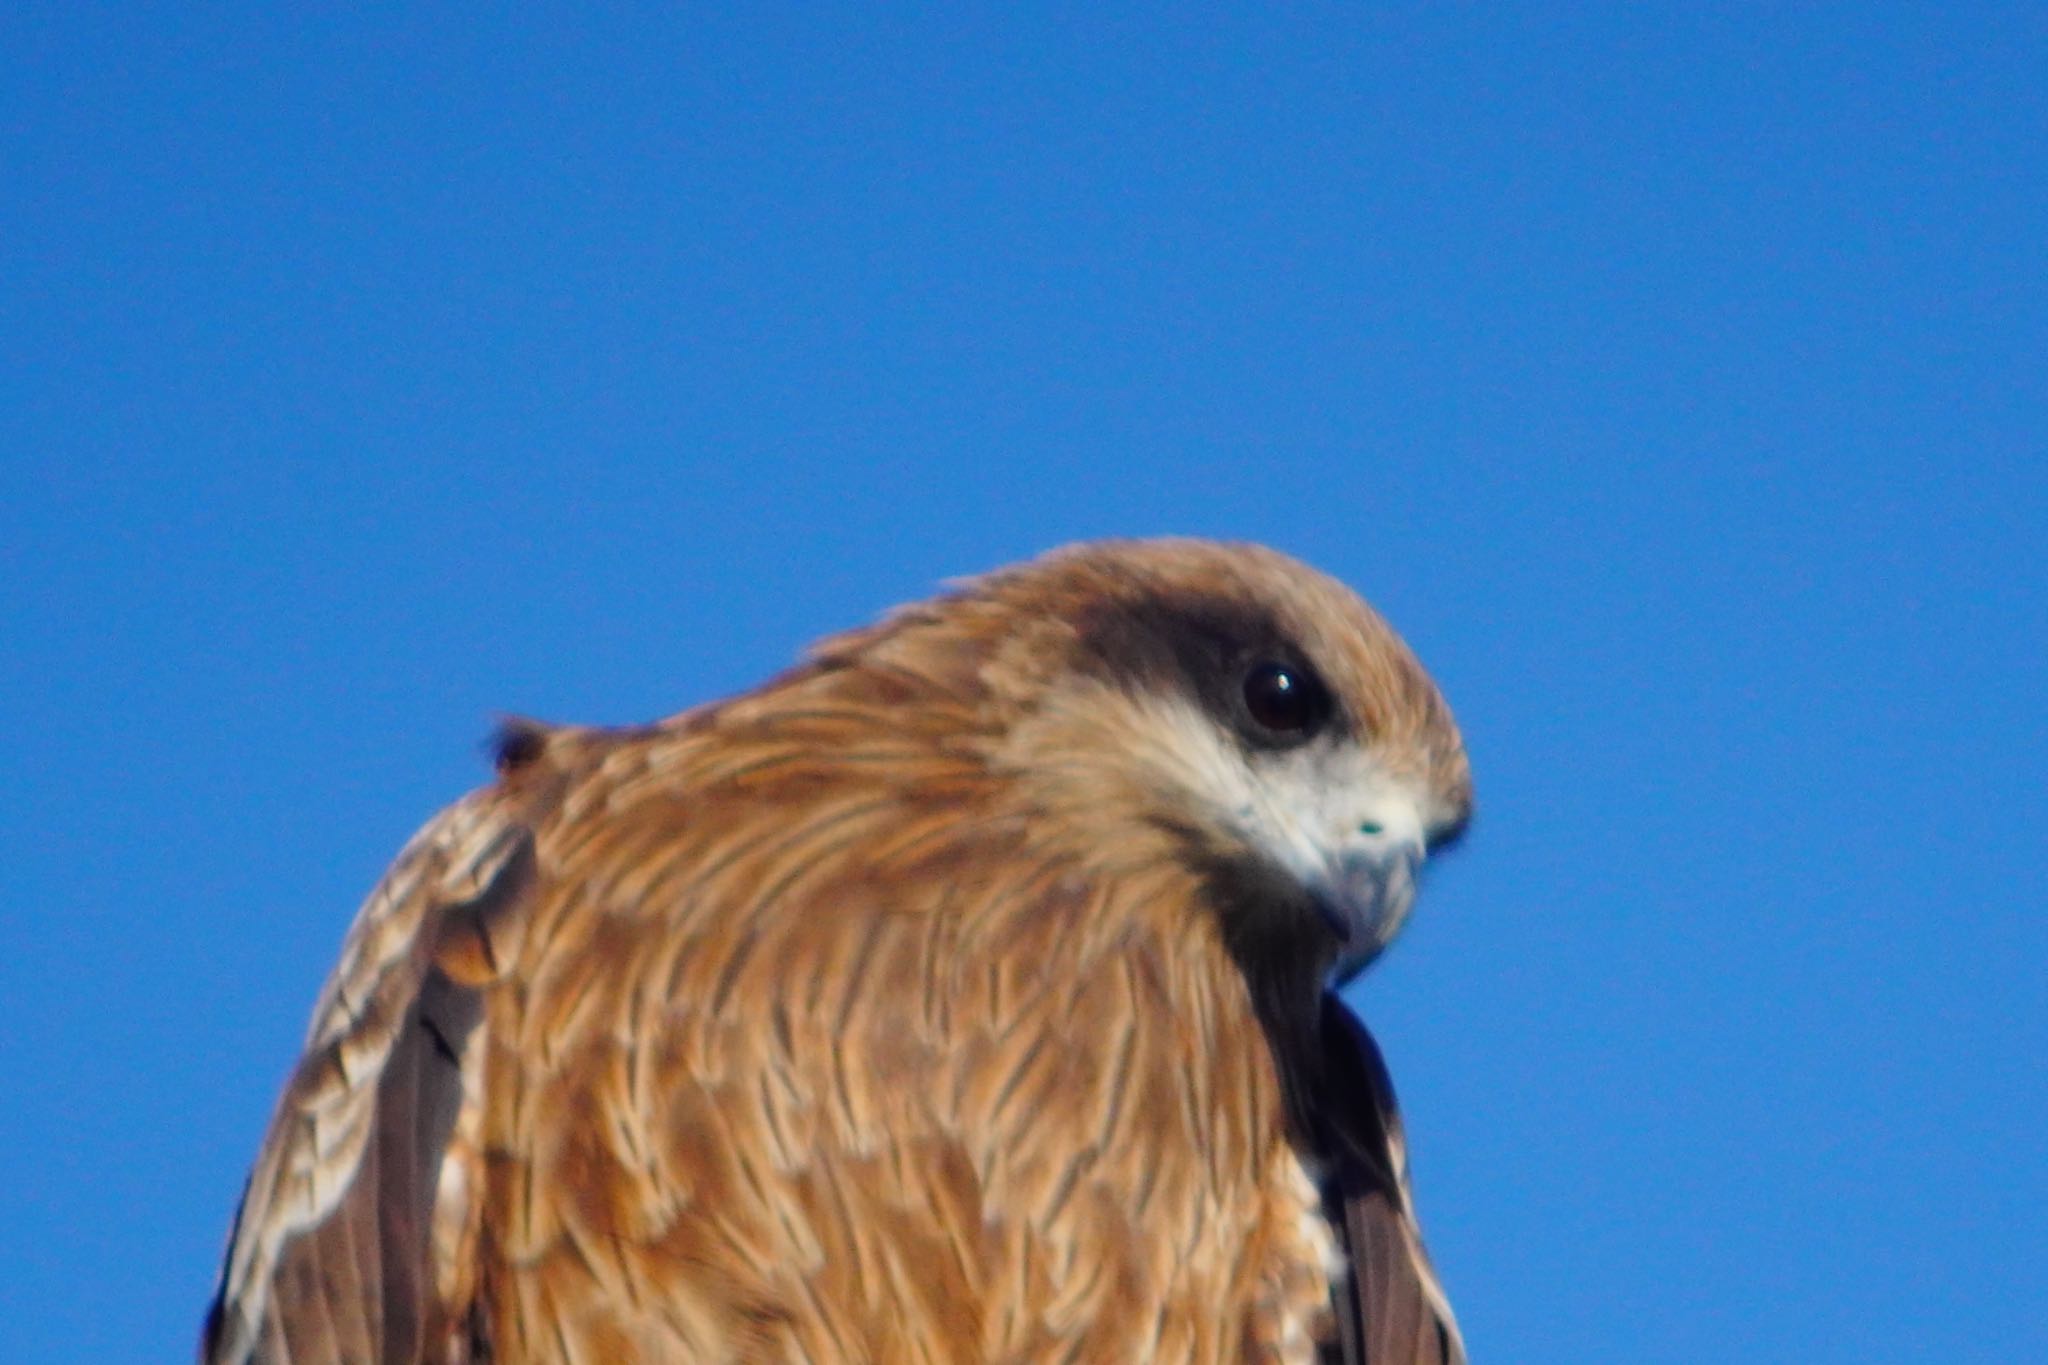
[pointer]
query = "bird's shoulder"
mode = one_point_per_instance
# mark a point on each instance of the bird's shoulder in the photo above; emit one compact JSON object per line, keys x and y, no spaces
{"x":329,"y":1258}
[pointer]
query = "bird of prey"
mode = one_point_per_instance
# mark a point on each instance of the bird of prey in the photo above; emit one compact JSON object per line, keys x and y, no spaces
{"x":962,"y":994}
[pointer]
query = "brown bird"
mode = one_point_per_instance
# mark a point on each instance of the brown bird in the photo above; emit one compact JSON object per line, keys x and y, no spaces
{"x":962,"y":994}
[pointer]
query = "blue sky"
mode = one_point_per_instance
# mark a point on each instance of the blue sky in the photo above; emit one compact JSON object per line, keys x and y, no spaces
{"x":1676,"y":381}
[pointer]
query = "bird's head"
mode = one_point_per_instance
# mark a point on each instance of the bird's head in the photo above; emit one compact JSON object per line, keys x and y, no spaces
{"x":1239,"y":713}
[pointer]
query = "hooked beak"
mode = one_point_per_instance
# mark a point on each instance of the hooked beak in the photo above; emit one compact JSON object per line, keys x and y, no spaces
{"x":1364,"y":894}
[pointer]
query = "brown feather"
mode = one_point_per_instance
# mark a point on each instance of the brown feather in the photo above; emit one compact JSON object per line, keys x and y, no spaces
{"x":895,"y":1011}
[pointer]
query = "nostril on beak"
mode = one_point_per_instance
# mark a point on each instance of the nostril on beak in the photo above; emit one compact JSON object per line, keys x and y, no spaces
{"x":1372,"y":827}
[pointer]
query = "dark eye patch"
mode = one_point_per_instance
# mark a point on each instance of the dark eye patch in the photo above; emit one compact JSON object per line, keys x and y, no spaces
{"x":1229,"y":658}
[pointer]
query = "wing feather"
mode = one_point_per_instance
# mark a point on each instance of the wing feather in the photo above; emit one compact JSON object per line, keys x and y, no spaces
{"x":330,"y":1256}
{"x":1391,"y":1308}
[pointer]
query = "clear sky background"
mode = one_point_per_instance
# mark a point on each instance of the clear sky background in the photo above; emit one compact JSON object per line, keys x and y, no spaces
{"x":1676,"y":381}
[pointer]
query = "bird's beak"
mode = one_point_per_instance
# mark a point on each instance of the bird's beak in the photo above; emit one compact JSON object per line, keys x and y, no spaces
{"x":1366,"y":890}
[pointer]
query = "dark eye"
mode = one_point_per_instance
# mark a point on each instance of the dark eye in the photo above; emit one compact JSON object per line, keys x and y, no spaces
{"x":1284,"y":699}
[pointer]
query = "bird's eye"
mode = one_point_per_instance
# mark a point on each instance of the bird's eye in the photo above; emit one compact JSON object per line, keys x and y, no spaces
{"x":1284,"y":699}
